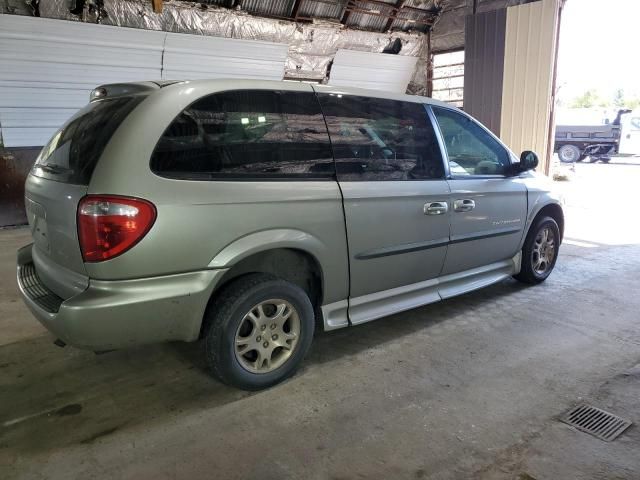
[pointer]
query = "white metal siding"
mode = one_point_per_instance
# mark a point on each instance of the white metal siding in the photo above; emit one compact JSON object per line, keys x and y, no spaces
{"x":48,"y":67}
{"x":194,"y":57}
{"x":380,"y":71}
{"x":527,"y":95}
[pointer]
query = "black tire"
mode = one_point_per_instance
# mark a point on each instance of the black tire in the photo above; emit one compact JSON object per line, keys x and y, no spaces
{"x":228,"y":310}
{"x":569,"y":153}
{"x":528,"y":273}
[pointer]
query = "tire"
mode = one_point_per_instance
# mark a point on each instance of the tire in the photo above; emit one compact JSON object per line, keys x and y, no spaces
{"x":569,"y":153}
{"x":531,"y":270}
{"x":252,"y":318}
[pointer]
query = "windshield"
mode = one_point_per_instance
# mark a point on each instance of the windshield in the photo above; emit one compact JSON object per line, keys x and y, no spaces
{"x":73,"y":151}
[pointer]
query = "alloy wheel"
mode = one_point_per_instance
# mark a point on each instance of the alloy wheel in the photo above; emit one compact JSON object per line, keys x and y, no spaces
{"x":544,"y":251}
{"x":267,"y":336}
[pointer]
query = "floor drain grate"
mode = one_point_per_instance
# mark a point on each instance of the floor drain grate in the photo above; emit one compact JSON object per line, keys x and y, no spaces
{"x":603,"y":425}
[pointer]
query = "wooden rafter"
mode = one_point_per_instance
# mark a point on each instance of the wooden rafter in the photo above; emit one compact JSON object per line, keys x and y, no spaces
{"x":157,"y":6}
{"x":389,"y":11}
{"x":346,"y":13}
{"x":296,"y":9}
{"x":399,"y":4}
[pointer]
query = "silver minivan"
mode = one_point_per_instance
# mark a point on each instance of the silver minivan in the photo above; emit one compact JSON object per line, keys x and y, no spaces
{"x":248,"y":213}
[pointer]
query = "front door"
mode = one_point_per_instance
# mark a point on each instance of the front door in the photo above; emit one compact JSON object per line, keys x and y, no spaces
{"x":630,"y":134}
{"x":488,"y":207}
{"x":391,"y":174}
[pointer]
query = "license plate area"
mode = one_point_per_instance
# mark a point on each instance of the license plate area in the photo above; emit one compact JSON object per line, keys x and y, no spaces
{"x":37,"y":217}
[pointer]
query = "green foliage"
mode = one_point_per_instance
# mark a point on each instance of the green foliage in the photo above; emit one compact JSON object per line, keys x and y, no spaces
{"x":587,"y":100}
{"x":632,"y":103}
{"x":590,"y":98}
{"x":621,"y":101}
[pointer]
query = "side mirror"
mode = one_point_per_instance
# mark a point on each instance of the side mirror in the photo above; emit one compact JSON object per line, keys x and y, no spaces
{"x":528,"y":161}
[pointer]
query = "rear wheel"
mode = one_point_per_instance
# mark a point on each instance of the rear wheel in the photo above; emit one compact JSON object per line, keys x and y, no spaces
{"x":540,"y":251}
{"x":258,"y":331}
{"x":568,"y":153}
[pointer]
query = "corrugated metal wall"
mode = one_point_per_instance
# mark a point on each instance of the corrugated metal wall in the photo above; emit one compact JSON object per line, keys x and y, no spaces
{"x":379,"y":71}
{"x":528,"y":77}
{"x":195,"y":56}
{"x":484,"y":66}
{"x":449,"y":31}
{"x":48,"y":67}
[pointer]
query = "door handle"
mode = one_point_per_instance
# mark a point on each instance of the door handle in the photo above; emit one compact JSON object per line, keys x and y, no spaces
{"x":435,"y":208}
{"x":464,"y":205}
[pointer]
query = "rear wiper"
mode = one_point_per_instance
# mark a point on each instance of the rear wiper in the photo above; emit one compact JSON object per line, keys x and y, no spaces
{"x":53,"y":168}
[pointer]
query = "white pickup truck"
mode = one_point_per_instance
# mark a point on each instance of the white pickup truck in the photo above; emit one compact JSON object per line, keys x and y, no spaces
{"x":630,"y":134}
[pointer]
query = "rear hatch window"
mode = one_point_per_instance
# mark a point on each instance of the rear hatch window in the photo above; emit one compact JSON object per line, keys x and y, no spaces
{"x":72,"y":153}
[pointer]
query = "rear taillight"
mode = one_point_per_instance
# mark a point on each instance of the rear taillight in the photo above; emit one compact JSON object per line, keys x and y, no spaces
{"x":110,"y":225}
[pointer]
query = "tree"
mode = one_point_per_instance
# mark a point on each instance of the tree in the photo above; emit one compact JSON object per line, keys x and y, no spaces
{"x":587,"y":100}
{"x":632,"y":103}
{"x":618,"y":98}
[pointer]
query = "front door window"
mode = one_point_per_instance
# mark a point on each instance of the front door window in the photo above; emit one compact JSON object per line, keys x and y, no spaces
{"x":470,"y":148}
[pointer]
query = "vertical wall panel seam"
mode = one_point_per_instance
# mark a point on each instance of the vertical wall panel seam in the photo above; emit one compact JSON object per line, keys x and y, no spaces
{"x":496,"y":73}
{"x":527,"y":48}
{"x":508,"y":64}
{"x":490,"y":45}
{"x":539,"y":77}
{"x":513,"y":49}
{"x":501,"y":32}
{"x":164,"y":49}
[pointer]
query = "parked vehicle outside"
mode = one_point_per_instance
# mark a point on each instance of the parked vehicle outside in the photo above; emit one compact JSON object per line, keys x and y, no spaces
{"x":630,"y":134}
{"x":246,"y":213}
{"x":574,"y":143}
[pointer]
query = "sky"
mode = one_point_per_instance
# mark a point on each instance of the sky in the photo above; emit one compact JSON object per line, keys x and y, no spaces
{"x":599,"y":48}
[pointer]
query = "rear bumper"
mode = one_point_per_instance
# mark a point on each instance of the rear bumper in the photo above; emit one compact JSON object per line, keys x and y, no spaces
{"x":118,"y":314}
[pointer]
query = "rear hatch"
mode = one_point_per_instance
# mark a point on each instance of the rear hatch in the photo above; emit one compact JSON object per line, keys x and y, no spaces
{"x":58,"y":180}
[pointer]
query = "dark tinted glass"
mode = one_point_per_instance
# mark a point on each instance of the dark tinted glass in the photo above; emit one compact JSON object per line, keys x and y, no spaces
{"x":247,"y":134}
{"x":471,"y":150}
{"x":72,"y":153}
{"x":379,"y":139}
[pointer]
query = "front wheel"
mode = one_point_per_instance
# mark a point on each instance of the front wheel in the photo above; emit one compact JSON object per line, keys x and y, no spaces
{"x":540,"y":251}
{"x":259,"y":329}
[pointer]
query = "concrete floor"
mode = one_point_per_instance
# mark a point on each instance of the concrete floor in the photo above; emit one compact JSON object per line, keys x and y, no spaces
{"x":468,"y":388}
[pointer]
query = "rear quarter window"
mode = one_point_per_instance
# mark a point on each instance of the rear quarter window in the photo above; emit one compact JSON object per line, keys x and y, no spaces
{"x":73,"y":151}
{"x":247,"y":135}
